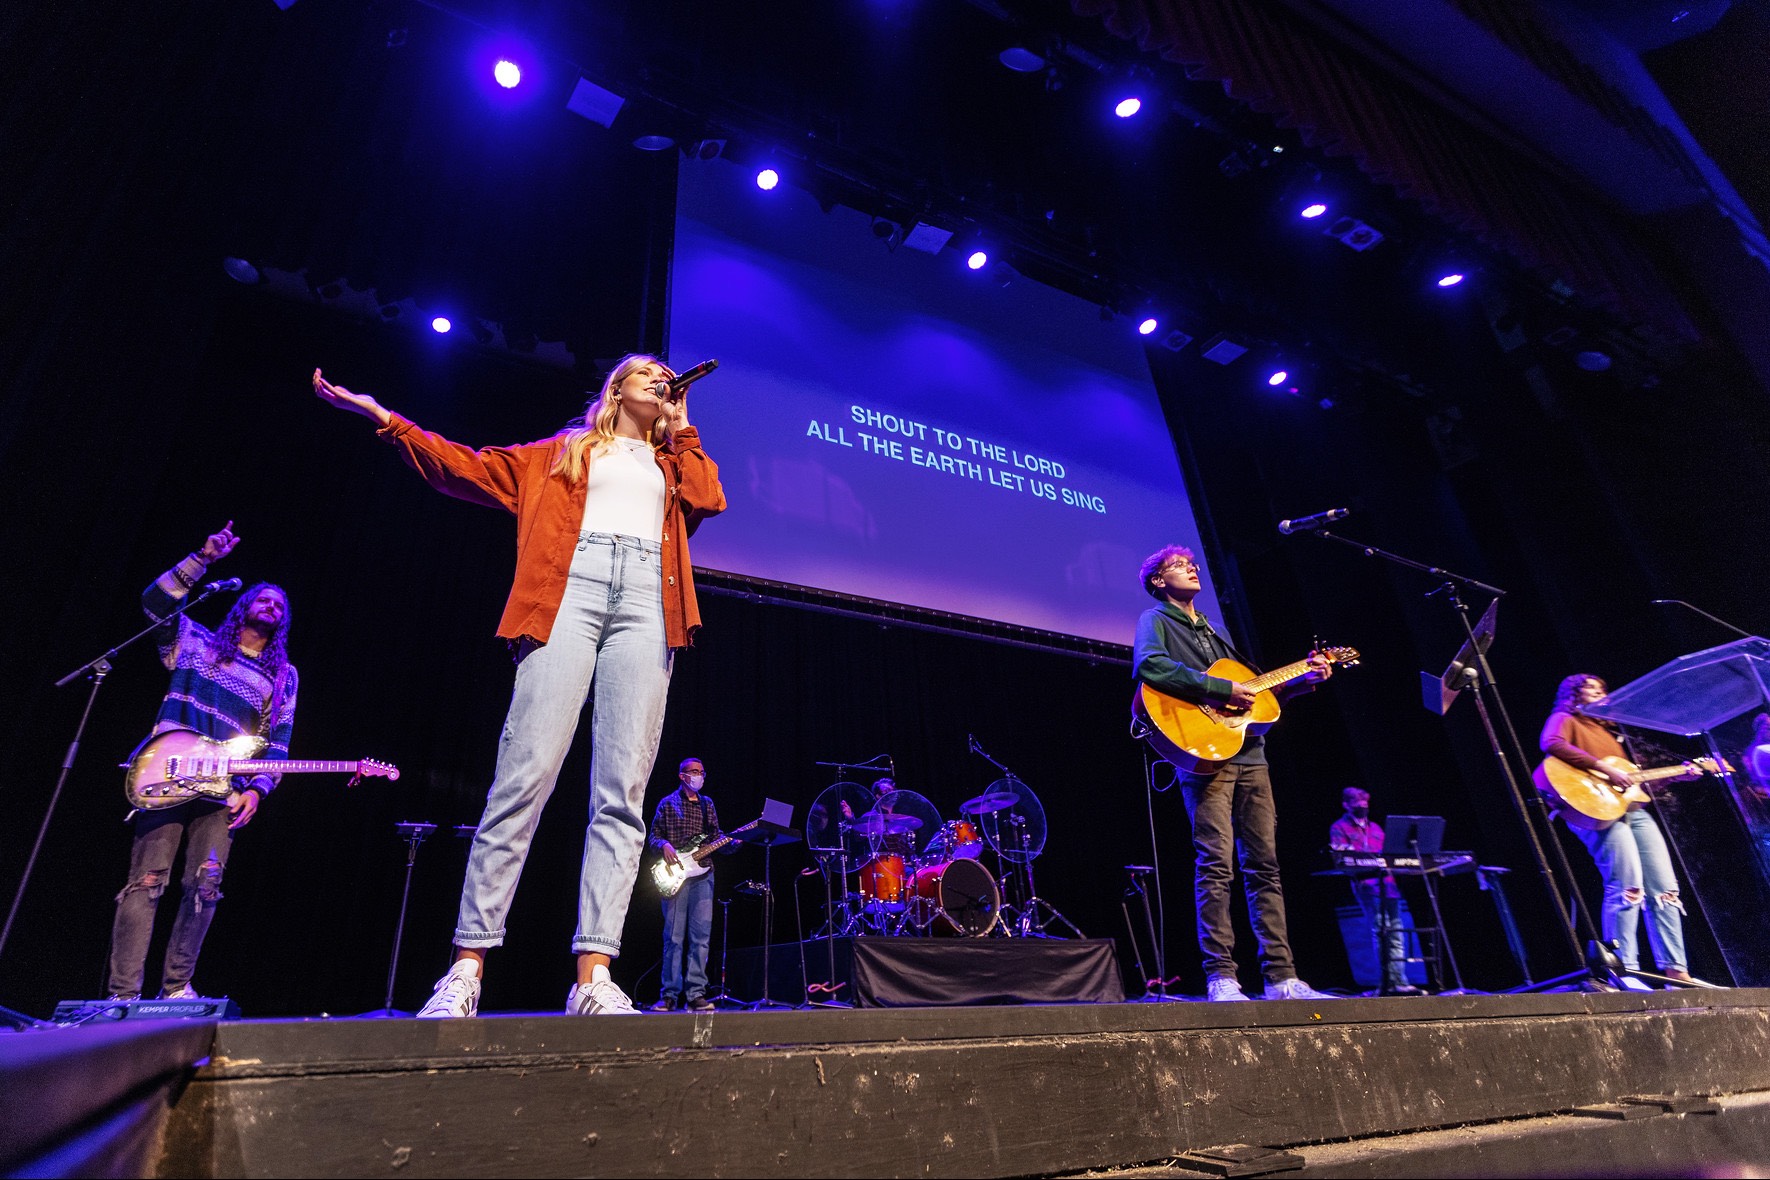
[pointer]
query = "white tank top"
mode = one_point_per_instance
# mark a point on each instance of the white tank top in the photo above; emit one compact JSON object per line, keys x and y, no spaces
{"x":625,"y":492}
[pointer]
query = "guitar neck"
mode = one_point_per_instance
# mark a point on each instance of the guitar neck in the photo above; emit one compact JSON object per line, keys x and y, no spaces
{"x":701,"y":854}
{"x":1278,"y":677}
{"x":282,"y":766}
{"x":1648,"y":776}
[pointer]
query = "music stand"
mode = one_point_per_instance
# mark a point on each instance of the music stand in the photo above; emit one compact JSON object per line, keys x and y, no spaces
{"x":772,"y":828}
{"x":1420,"y":837}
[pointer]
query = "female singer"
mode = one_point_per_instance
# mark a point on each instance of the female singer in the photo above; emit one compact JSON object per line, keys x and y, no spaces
{"x":603,"y":591}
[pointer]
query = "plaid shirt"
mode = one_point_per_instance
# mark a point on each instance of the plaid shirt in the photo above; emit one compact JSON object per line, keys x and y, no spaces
{"x":679,"y":821}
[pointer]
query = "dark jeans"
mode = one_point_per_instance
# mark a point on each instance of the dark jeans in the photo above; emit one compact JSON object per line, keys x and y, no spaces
{"x":1233,"y":808}
{"x":202,"y":829}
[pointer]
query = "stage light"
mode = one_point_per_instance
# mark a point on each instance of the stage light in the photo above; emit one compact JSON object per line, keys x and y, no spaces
{"x":1128,"y":107}
{"x":1147,"y":326}
{"x":978,"y":260}
{"x":1021,"y":60}
{"x":1451,"y":279}
{"x":440,"y":325}
{"x":1312,"y":211}
{"x":654,"y":143}
{"x":241,"y":271}
{"x":507,"y":73}
{"x":594,"y":103}
{"x":767,"y":179}
{"x":1277,"y":378}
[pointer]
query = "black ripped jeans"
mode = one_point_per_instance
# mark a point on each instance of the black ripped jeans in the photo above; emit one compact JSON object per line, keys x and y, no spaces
{"x":1232,"y":815}
{"x":202,"y":828}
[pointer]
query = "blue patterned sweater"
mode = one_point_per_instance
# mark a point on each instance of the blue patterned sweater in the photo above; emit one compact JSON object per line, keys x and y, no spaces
{"x":219,"y":701}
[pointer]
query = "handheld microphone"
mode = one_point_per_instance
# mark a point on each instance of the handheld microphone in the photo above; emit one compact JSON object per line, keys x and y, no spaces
{"x":688,"y":377}
{"x":1304,"y":524}
{"x":223,"y":587}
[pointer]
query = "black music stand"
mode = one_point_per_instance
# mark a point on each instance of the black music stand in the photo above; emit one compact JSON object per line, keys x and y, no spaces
{"x":771,"y":829}
{"x":413,"y":835}
{"x":1421,"y":837}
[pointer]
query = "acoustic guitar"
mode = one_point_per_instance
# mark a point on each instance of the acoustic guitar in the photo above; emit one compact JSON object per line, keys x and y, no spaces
{"x":1200,"y":738}
{"x":179,"y":765}
{"x":1593,"y":803}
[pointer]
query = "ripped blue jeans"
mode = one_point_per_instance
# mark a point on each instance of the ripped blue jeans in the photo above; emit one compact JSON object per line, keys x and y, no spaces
{"x":202,"y":828}
{"x":1632,"y":858}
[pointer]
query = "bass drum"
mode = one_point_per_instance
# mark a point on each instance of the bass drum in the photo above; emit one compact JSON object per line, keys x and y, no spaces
{"x":956,"y":899}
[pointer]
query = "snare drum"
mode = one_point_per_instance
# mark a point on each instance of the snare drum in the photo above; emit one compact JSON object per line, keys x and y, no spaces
{"x":957,"y":839}
{"x":962,"y":897}
{"x":882,"y":883}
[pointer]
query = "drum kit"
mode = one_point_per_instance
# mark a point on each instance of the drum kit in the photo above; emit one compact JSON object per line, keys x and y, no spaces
{"x":894,"y":866}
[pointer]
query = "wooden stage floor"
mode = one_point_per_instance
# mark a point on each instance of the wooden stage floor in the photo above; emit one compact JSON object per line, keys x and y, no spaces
{"x":1350,"y":1087}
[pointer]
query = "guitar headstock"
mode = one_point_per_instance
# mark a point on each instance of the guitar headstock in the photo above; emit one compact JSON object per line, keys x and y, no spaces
{"x":370,"y":768}
{"x":1339,"y":655}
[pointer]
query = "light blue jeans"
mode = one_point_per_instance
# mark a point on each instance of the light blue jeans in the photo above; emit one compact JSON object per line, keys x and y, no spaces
{"x":1632,"y":858}
{"x":688,"y":918}
{"x":610,"y":632}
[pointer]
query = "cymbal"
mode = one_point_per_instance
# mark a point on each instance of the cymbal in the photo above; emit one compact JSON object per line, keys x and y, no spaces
{"x":881,"y":823}
{"x":987,"y":803}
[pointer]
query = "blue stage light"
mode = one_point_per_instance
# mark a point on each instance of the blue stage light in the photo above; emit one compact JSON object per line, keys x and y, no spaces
{"x":507,"y":73}
{"x":1277,"y":378}
{"x":1451,"y":279}
{"x":767,"y":179}
{"x":440,"y":324}
{"x":1147,"y":326}
{"x":1128,"y":106}
{"x":978,"y":260}
{"x":1312,"y":211}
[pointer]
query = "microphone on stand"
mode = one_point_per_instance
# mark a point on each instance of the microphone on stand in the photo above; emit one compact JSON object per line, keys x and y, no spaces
{"x":1305,"y":524}
{"x":223,"y":586}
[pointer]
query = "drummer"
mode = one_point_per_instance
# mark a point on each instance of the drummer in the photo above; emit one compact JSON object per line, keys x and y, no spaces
{"x":889,"y":843}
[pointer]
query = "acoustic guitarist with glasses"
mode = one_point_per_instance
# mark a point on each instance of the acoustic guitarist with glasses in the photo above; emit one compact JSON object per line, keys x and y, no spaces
{"x":1229,"y":801}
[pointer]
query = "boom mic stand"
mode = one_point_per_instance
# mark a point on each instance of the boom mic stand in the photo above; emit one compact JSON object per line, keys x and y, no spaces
{"x":97,"y":669}
{"x":1600,"y":967}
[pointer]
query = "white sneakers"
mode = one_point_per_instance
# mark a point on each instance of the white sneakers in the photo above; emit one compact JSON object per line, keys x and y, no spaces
{"x":1222,"y":988}
{"x":457,"y":993}
{"x":184,"y":992}
{"x":600,"y":997}
{"x":1294,"y":989}
{"x":1219,"y":989}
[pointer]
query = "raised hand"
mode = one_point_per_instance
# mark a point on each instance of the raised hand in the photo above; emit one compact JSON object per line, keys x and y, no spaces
{"x":219,"y":545}
{"x":356,"y":403}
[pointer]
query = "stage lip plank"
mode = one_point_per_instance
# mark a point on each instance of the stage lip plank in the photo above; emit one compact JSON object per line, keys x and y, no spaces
{"x":988,"y":1091}
{"x":93,"y":1100}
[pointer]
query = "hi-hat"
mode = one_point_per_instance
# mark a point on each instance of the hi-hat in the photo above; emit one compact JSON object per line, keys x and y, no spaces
{"x":990,"y":802}
{"x":880,"y":823}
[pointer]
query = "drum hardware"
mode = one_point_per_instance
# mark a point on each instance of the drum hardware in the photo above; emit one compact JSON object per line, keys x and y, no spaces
{"x":877,"y":823}
{"x":1016,"y":830}
{"x":956,"y":898}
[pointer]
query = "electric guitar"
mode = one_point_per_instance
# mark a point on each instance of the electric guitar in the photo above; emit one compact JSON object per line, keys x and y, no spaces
{"x":691,"y":863}
{"x":1200,"y":738}
{"x":178,"y":765}
{"x":1593,"y":803}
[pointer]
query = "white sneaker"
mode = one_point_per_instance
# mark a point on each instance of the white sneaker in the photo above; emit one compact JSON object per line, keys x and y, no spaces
{"x":1294,"y":989}
{"x":457,"y":993}
{"x":1219,"y":988}
{"x":184,"y":992}
{"x":600,"y":997}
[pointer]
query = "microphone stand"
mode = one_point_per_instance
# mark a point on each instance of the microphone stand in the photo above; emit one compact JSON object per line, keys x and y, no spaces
{"x":1599,"y":965}
{"x":1705,"y":614}
{"x":97,"y":670}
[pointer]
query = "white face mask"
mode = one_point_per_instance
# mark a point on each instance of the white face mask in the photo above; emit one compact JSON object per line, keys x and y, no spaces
{"x":696,"y":781}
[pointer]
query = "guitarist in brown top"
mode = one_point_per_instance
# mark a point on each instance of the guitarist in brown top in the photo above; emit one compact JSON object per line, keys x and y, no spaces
{"x":1629,"y":850}
{"x":1228,"y":801}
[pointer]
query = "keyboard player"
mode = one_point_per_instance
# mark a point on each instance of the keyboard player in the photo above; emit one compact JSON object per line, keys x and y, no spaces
{"x":1377,"y":894}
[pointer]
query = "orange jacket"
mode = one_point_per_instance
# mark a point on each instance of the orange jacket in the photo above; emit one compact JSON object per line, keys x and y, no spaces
{"x":549,"y":512}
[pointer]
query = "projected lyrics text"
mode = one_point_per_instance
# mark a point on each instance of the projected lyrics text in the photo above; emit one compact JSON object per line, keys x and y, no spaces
{"x":905,"y":440}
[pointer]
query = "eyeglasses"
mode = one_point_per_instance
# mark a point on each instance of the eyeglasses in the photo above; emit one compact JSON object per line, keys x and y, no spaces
{"x":1185,"y":567}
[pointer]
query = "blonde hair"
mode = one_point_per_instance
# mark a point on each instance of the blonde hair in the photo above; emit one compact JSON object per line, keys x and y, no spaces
{"x":593,"y":431}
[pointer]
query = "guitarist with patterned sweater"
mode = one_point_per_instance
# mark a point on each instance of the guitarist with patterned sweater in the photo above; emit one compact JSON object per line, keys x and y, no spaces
{"x":1230,"y":802}
{"x":1630,"y":851}
{"x":236,"y":680}
{"x":686,"y":820}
